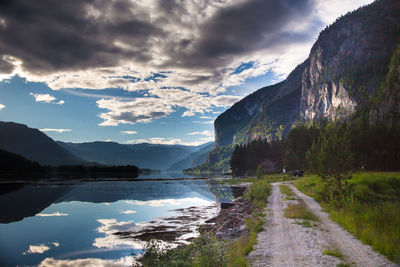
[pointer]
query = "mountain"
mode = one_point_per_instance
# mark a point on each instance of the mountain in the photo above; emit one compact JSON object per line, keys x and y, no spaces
{"x":14,"y":162}
{"x":345,"y":67}
{"x":195,"y":159}
{"x":34,"y":145}
{"x":144,"y":155}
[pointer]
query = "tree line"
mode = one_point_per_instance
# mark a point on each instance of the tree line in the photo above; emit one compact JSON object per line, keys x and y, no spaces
{"x":372,"y":146}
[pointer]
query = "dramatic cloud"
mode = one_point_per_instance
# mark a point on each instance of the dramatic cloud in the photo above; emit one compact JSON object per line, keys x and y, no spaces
{"x":2,"y":106}
{"x":46,"y":98}
{"x":147,"y":46}
{"x":164,"y":102}
{"x":128,"y":132}
{"x":55,"y":130}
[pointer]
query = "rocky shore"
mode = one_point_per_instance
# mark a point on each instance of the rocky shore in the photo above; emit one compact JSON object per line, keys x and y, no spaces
{"x":230,"y":222}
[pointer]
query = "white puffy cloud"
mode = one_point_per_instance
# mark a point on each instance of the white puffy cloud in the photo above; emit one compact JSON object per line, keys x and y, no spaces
{"x":37,"y":249}
{"x":55,"y":130}
{"x":41,"y":248}
{"x":128,"y":132}
{"x":127,"y":211}
{"x":2,"y":106}
{"x":46,"y":98}
{"x":162,"y":103}
{"x":206,"y":133}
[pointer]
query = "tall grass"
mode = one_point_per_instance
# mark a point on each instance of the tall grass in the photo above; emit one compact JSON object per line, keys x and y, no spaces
{"x":371,"y":212}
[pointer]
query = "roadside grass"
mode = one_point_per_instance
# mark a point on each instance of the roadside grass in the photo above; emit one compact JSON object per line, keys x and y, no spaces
{"x":299,"y":211}
{"x":285,"y":189}
{"x":371,"y":213}
{"x":333,"y":252}
{"x":290,"y":198}
{"x":234,"y":181}
{"x":240,"y":248}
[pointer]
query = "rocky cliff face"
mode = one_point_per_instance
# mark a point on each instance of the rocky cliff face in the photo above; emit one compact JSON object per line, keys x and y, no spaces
{"x":345,"y":68}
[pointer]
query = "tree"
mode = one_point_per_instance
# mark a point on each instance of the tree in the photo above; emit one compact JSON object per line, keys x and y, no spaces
{"x":331,"y":158}
{"x":259,"y":172}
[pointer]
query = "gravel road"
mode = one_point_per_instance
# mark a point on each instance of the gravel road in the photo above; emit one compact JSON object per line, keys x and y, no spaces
{"x":286,"y":242}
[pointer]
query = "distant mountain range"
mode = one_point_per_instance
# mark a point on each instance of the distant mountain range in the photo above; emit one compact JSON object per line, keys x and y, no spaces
{"x":193,"y":160}
{"x":152,"y":156}
{"x":36,"y":146}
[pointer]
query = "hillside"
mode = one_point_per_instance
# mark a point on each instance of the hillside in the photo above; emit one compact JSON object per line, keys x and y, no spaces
{"x":346,"y":71}
{"x":345,"y":67}
{"x":150,"y":156}
{"x":34,"y":145}
{"x":195,"y":159}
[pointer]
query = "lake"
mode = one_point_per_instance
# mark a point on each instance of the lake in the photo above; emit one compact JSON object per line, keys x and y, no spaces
{"x":101,"y":222}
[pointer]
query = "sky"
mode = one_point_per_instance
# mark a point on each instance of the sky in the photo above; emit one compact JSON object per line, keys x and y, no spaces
{"x":156,"y":71}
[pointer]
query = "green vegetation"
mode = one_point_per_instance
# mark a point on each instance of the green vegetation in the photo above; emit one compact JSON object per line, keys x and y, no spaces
{"x":259,"y":192}
{"x":371,"y":211}
{"x":333,"y":252}
{"x":259,"y":172}
{"x":205,"y":251}
{"x":299,"y":211}
{"x":286,"y":190}
{"x":330,"y":157}
{"x":217,"y":162}
{"x":240,"y":248}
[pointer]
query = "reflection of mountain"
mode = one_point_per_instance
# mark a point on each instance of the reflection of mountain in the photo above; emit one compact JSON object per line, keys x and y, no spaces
{"x":28,"y":201}
{"x":32,"y":199}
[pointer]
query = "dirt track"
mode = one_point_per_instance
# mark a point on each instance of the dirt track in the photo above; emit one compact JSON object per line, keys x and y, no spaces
{"x":285,"y":242}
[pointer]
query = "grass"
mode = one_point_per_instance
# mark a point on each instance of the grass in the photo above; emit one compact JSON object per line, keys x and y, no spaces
{"x":290,"y":198}
{"x":286,"y":190}
{"x":332,"y":252}
{"x":371,"y":213}
{"x":259,"y":192}
{"x":299,"y":211}
{"x":240,"y":248}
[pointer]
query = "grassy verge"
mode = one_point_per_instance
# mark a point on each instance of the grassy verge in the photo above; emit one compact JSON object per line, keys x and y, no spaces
{"x":333,"y":252}
{"x":240,"y":248}
{"x":286,"y":190}
{"x":278,"y":177}
{"x":299,"y":211}
{"x":371,"y":213}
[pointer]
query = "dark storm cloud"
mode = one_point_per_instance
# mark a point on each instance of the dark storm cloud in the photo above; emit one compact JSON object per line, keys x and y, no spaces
{"x":247,"y":27}
{"x":62,"y":35}
{"x":5,"y":67}
{"x":49,"y":36}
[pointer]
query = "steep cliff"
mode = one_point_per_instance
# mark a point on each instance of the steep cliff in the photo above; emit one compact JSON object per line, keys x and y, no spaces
{"x":344,"y":70}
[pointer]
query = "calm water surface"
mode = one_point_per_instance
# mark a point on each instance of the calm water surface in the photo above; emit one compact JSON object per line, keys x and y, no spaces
{"x":81,"y":222}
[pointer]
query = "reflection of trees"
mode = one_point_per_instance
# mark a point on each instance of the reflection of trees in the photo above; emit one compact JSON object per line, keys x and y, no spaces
{"x":222,"y":192}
